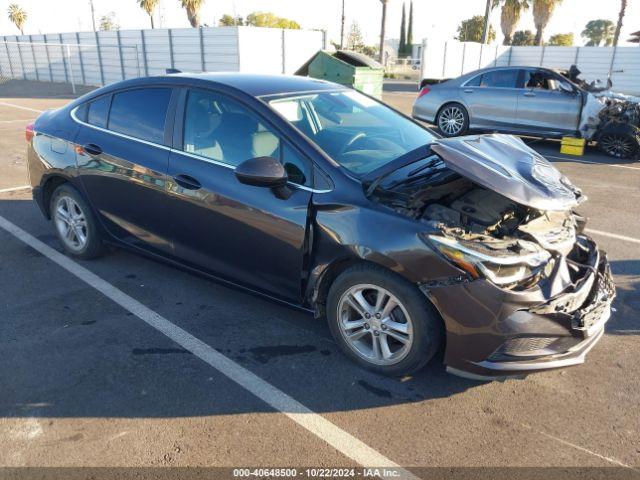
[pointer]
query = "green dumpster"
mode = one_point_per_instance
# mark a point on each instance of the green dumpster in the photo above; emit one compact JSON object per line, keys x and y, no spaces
{"x":346,"y":68}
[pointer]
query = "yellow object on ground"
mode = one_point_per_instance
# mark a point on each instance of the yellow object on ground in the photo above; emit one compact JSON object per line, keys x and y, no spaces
{"x":572,"y":146}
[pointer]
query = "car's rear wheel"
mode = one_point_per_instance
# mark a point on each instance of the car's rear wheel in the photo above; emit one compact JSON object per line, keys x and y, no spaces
{"x":74,"y":223}
{"x":452,"y":120}
{"x":619,"y":145}
{"x":382,"y":321}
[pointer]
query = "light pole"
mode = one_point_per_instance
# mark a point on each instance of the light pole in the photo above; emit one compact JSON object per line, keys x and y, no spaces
{"x":342,"y":28}
{"x":382,"y":28}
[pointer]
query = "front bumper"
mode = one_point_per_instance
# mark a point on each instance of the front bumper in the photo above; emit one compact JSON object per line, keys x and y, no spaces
{"x":493,"y":333}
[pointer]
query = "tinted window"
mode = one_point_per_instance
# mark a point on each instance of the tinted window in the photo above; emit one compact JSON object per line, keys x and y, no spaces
{"x":98,"y":110}
{"x":499,"y":79}
{"x":140,"y":113}
{"x":222,"y":129}
{"x":474,"y":82}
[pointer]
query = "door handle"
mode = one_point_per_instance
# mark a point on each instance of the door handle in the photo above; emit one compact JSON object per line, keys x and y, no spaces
{"x":468,"y":90}
{"x":529,"y":94}
{"x":92,"y":149}
{"x":185,"y":181}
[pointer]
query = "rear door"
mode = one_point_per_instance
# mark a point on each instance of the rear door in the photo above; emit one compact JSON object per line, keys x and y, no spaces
{"x":239,"y":232}
{"x":543,"y":107}
{"x":123,"y":163}
{"x":491,"y":99}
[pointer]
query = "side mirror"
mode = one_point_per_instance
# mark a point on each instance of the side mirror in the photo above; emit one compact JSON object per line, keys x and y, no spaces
{"x":264,"y":172}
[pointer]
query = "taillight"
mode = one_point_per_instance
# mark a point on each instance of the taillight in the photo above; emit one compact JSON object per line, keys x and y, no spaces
{"x":424,"y":91}
{"x":29,"y":132}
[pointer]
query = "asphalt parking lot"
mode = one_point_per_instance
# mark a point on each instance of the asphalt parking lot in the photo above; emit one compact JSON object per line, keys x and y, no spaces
{"x":182,"y":371}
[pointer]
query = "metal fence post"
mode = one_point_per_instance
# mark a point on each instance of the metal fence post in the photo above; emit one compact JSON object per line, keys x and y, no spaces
{"x":73,"y":83}
{"x":510,"y":53}
{"x":144,"y":54}
{"x":24,"y":74}
{"x":542,"y":55}
{"x":99,"y":58}
{"x":6,"y":47}
{"x":171,"y":49}
{"x":613,"y":59}
{"x":33,"y":55}
{"x":202,"y":65}
{"x":444,"y":59}
{"x":64,"y":59}
{"x":46,"y":50}
{"x":137,"y":61}
{"x":464,"y":54}
{"x":120,"y":53}
{"x":284,"y":52}
{"x":84,"y":80}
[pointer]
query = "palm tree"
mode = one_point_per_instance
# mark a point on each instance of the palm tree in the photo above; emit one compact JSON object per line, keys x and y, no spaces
{"x":486,"y":27}
{"x":623,"y":8}
{"x":382,"y":28}
{"x":510,"y":16}
{"x":193,"y":11}
{"x":542,"y":11}
{"x":149,"y":6}
{"x":17,"y":16}
{"x":598,"y":32}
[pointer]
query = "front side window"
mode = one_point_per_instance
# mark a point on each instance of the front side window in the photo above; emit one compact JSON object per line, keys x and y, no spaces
{"x":539,"y":79}
{"x":140,"y":113}
{"x":499,"y":79}
{"x":359,"y":133}
{"x":221,"y":129}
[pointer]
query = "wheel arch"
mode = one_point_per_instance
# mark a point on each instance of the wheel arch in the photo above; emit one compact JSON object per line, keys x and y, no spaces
{"x":49,"y":185}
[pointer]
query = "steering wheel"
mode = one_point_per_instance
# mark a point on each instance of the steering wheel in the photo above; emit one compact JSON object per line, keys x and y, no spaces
{"x":351,"y":141}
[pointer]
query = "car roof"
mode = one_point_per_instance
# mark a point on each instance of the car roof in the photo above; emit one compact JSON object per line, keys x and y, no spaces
{"x":259,"y":85}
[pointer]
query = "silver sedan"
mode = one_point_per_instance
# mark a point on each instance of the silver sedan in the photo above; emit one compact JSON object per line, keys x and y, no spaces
{"x":521,"y":100}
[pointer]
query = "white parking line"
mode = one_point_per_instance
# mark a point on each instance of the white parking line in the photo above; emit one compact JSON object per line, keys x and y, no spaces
{"x":6,"y":104}
{"x":15,"y":189}
{"x":568,"y":159}
{"x":339,"y":439}
{"x":613,"y":235}
{"x":24,"y":120}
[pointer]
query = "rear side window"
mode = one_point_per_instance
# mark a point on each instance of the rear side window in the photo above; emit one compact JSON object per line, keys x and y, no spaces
{"x":98,"y":111}
{"x":140,"y":113}
{"x":499,"y":79}
{"x":474,"y":82}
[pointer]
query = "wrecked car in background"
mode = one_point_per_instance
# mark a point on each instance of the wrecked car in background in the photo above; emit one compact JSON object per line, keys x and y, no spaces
{"x":533,"y":101}
{"x":319,"y":196}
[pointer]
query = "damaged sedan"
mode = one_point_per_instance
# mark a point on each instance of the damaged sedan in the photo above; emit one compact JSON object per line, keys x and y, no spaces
{"x":325,"y":199}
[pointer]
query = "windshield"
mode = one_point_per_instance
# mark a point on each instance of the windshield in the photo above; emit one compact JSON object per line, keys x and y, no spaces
{"x":358,"y":132}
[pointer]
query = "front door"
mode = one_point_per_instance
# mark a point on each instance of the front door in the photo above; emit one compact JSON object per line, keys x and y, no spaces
{"x":123,"y":161}
{"x":543,"y":107}
{"x":491,"y":99}
{"x":238,"y":232}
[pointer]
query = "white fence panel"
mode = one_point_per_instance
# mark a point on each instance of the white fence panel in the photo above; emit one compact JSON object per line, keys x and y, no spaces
{"x":260,"y":50}
{"x":186,"y":49}
{"x":157,"y":50}
{"x":221,"y":49}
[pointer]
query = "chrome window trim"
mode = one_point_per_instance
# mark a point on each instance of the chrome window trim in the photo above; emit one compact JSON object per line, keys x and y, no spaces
{"x":175,"y":150}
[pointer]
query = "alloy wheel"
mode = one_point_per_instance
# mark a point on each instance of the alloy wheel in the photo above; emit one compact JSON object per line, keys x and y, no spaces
{"x":71,"y":223}
{"x":375,"y":324}
{"x":620,"y":146}
{"x":451,"y":120}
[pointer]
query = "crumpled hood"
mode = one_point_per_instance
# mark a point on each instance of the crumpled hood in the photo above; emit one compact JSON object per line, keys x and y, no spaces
{"x":504,"y":164}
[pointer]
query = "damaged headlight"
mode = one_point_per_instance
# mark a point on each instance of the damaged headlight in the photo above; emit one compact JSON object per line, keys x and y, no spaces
{"x":500,"y":267}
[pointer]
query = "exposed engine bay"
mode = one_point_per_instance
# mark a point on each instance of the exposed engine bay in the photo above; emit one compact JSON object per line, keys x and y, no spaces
{"x":485,"y":233}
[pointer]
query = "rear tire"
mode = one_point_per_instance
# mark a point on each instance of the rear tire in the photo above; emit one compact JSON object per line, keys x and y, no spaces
{"x":452,"y":120}
{"x":618,"y":145}
{"x":382,"y":321}
{"x":74,"y":223}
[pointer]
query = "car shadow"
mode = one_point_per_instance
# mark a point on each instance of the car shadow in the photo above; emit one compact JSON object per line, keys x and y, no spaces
{"x":68,"y":351}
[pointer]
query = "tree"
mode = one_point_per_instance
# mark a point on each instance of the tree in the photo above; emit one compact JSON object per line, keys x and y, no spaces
{"x":623,"y":9}
{"x":598,"y":31}
{"x":471,"y":29}
{"x":410,"y":30}
{"x":108,"y":22}
{"x":383,"y":26}
{"x":354,"y":37}
{"x":269,"y":20}
{"x":561,"y":40}
{"x":510,"y":16}
{"x":193,"y":11}
{"x":230,"y":21}
{"x":149,"y":6}
{"x":486,"y":26}
{"x":542,"y":12}
{"x":523,"y":38}
{"x":17,"y":16}
{"x":402,"y":46}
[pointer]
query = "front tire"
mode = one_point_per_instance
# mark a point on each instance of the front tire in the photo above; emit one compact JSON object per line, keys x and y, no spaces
{"x":618,"y":145}
{"x":382,"y":321}
{"x":74,"y":223}
{"x":452,"y":120}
